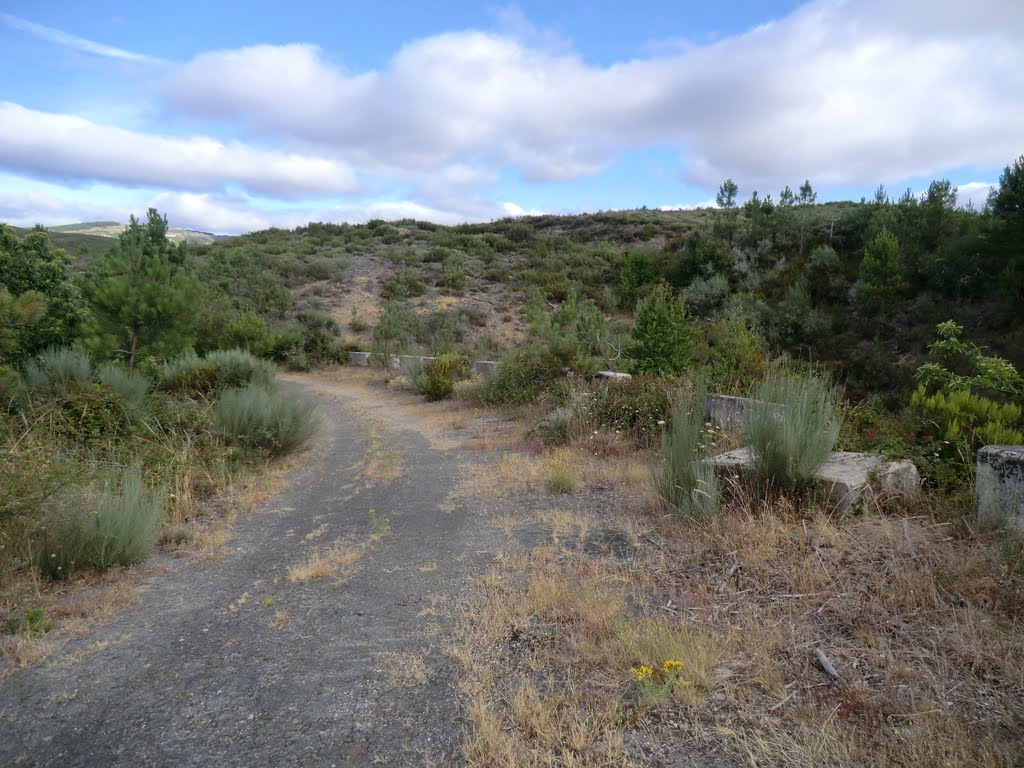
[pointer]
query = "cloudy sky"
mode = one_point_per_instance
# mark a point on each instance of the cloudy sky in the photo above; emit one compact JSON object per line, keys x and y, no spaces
{"x":237,"y":116}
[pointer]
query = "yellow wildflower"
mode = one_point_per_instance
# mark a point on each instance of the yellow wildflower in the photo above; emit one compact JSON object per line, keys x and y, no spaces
{"x":642,"y":673}
{"x":672,"y":665}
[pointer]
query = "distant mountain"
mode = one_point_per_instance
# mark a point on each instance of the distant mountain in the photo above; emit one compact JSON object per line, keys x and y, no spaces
{"x":113,"y":229}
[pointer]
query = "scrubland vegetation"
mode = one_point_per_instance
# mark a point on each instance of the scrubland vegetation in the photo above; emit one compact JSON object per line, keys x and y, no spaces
{"x":137,"y":382}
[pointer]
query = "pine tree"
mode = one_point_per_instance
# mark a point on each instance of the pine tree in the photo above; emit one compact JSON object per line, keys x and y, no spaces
{"x":143,"y":299}
{"x":882,"y":280}
{"x":663,"y":334}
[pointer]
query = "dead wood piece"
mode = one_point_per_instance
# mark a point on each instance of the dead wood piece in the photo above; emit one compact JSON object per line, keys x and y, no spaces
{"x":828,"y":666}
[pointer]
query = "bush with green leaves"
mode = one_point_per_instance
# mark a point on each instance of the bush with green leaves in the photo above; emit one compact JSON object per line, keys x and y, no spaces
{"x":438,"y":377}
{"x":107,"y":523}
{"x":55,"y":370}
{"x":404,"y":283}
{"x":792,"y":426}
{"x":636,"y":408}
{"x":215,"y":372}
{"x":684,"y":477}
{"x":522,"y":377}
{"x":266,"y":419}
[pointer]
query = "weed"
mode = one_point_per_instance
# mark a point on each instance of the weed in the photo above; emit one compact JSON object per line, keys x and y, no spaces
{"x":560,"y":481}
{"x":380,"y":524}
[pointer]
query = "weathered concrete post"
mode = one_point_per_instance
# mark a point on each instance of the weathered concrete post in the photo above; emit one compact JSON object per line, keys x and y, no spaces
{"x":1000,"y":485}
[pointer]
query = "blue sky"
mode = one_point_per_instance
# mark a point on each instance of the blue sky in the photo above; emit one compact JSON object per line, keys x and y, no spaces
{"x":237,"y":116}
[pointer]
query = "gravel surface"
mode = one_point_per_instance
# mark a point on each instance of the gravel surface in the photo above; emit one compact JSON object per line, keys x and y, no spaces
{"x":228,"y":663}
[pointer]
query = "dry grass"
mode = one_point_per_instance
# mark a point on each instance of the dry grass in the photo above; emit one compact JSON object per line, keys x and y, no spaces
{"x":926,"y":632}
{"x":337,"y":562}
{"x":280,"y":621}
{"x":405,"y":670}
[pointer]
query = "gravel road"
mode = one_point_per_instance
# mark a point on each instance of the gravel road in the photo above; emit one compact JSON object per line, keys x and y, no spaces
{"x":228,"y":663}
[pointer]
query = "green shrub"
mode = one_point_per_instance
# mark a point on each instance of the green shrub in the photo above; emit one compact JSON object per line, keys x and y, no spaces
{"x":521,"y":377}
{"x":976,"y":419}
{"x":56,"y":369}
{"x":216,"y":372}
{"x":249,"y":331}
{"x":90,"y":412}
{"x":269,"y":420}
{"x":12,"y":389}
{"x":104,"y":524}
{"x":404,"y":283}
{"x":636,"y":408}
{"x":128,"y":385}
{"x":685,"y":478}
{"x":792,"y":427}
{"x":437,"y":380}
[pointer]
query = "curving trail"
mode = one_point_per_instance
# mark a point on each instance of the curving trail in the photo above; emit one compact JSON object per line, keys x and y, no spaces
{"x":227,"y":662}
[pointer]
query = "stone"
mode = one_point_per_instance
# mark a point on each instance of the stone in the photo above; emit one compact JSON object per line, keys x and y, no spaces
{"x":1000,"y":486}
{"x":614,"y":375}
{"x":484,"y":368}
{"x":728,"y":412}
{"x":359,"y":358}
{"x":411,"y":365}
{"x":846,"y":479}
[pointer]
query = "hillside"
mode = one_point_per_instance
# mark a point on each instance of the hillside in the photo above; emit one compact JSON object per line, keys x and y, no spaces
{"x":788,"y":273}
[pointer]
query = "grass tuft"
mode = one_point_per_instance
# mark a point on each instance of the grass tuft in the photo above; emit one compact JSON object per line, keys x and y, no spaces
{"x":685,"y":478}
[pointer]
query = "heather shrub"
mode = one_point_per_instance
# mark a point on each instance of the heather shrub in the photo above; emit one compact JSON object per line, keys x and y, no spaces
{"x":219,"y":370}
{"x":792,"y":427}
{"x":684,"y":477}
{"x":266,"y":419}
{"x":55,"y":370}
{"x":107,"y":523}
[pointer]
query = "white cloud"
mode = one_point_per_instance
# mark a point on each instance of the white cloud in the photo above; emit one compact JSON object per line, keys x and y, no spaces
{"x":975,"y":192}
{"x":839,"y":92}
{"x":70,"y":147}
{"x":77,"y":43}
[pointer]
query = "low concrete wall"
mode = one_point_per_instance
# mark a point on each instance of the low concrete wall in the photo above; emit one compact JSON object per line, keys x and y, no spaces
{"x":1000,"y":485}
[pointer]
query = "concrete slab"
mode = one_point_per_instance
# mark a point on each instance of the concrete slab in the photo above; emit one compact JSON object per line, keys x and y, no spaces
{"x":359,"y":358}
{"x":845,"y":478}
{"x":1000,"y":485}
{"x":614,"y":375}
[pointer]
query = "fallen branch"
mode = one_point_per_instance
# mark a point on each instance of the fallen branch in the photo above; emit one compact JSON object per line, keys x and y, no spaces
{"x":828,"y":666}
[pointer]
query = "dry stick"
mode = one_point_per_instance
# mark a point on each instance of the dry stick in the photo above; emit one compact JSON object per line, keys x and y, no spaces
{"x":827,"y":665}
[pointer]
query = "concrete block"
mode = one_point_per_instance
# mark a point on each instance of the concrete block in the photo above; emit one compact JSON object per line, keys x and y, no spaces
{"x":845,"y":479}
{"x":359,"y":358}
{"x":614,"y":375}
{"x":1000,"y":485}
{"x":411,"y":365}
{"x":728,"y":412}
{"x":484,"y":368}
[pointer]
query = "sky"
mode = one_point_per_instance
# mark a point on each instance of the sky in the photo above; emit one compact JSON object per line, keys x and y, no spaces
{"x":236,"y":116}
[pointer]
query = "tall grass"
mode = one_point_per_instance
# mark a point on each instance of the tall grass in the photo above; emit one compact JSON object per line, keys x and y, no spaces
{"x":792,"y":427}
{"x":277,"y":422}
{"x":105,"y":524}
{"x":685,"y":477}
{"x":56,"y":369}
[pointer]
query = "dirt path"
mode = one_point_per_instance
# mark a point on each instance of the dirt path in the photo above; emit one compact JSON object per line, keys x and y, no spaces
{"x":228,"y":662}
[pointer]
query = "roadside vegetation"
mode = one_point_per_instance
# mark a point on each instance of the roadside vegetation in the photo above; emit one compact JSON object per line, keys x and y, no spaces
{"x":666,"y":603}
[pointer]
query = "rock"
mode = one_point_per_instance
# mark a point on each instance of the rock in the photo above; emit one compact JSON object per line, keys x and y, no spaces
{"x":845,"y":478}
{"x":484,"y":368}
{"x":1000,"y":485}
